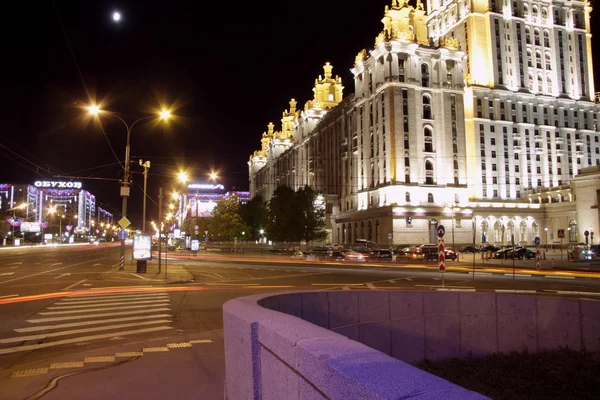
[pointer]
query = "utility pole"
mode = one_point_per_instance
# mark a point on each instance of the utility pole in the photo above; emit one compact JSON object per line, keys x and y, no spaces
{"x":146,"y":166}
{"x":160,"y":196}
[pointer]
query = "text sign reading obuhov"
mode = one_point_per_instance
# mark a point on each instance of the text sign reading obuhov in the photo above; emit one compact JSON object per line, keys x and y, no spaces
{"x":57,"y":184}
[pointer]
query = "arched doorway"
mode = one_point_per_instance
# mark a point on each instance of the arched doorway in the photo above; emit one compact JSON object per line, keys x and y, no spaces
{"x":523,"y":232}
{"x":370,"y":231}
{"x":484,"y":232}
{"x":573,"y":231}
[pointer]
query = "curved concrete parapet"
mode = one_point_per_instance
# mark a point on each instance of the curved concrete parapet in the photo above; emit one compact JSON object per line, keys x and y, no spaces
{"x":271,"y":353}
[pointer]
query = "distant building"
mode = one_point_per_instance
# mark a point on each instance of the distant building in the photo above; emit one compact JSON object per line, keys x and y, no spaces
{"x":36,"y":208}
{"x":480,"y":116}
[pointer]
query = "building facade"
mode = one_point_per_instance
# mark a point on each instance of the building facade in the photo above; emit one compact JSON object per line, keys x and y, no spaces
{"x":478,"y":116}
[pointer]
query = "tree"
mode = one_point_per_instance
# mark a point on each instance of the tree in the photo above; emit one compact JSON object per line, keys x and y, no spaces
{"x":227,"y":222}
{"x":254,"y":215}
{"x":281,"y":216}
{"x":295,"y":216}
{"x":312,"y":211}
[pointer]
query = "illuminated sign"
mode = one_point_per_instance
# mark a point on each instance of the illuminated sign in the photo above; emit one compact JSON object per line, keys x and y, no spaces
{"x":205,"y":186}
{"x":57,"y":184}
{"x":142,"y":247}
{"x":31,"y":227}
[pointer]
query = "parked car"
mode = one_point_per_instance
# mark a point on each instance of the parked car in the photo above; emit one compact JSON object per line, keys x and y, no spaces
{"x":410,"y":253}
{"x":351,"y":255}
{"x":521,"y":253}
{"x":299,"y":256}
{"x":380,"y":255}
{"x":469,"y":249}
{"x":450,"y":254}
{"x":430,"y":251}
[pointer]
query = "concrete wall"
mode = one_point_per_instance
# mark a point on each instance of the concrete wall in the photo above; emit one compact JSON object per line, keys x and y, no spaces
{"x":359,"y":344}
{"x":272,"y":355}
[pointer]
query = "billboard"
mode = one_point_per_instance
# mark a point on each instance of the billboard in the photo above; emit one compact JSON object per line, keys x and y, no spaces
{"x":142,"y":247}
{"x":30,"y":227}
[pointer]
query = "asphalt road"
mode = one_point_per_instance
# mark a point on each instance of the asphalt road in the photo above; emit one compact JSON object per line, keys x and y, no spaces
{"x":59,"y":306}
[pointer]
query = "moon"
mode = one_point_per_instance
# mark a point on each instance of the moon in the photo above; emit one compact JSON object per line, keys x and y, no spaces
{"x":116,"y":16}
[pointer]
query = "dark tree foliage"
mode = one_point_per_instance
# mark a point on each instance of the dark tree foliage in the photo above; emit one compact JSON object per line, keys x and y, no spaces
{"x":254,"y":215}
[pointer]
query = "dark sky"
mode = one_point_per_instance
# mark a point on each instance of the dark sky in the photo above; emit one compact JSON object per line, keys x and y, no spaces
{"x":226,"y":67}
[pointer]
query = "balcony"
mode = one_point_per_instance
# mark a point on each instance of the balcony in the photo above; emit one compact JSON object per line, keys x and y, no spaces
{"x":539,"y":138}
{"x":579,"y":154}
{"x":560,"y":152}
{"x":517,"y":149}
{"x":559,"y":140}
{"x":578,"y":142}
{"x":539,"y":151}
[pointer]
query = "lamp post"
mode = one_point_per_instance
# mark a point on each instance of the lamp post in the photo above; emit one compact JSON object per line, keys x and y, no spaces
{"x":95,"y":110}
{"x":546,"y":229}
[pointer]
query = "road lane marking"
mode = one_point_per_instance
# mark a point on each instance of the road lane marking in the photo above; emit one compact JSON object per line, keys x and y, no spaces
{"x":9,"y":295}
{"x":371,"y":286}
{"x":84,"y":330}
{"x":514,"y":291}
{"x":87,"y":310}
{"x":109,"y":296}
{"x":73,"y":285}
{"x":95,"y":265}
{"x":52,"y":265}
{"x":91,"y":307}
{"x":232,"y":284}
{"x":559,"y":277}
{"x":88,"y":323}
{"x":7,"y":274}
{"x":82,"y":339}
{"x":577,"y":293}
{"x":53,"y":319}
{"x":52,"y":270}
{"x":16,"y":263}
{"x":61,"y":275}
{"x":113,"y":299}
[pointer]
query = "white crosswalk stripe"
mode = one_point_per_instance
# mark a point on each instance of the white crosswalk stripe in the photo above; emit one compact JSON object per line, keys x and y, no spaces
{"x":85,"y":318}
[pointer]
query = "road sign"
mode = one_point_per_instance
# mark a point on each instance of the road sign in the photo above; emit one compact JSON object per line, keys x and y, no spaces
{"x":124,"y":222}
{"x":196,"y":231}
{"x":206,"y":233}
{"x":441,"y":231}
{"x":441,"y":254}
{"x":196,"y":227}
{"x":122,"y":235}
{"x":538,"y":254}
{"x":537,"y":241}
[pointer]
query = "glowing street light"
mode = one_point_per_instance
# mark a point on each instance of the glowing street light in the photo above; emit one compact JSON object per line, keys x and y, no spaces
{"x":95,"y":110}
{"x":213,"y":175}
{"x":116,"y":16}
{"x":182,"y":177}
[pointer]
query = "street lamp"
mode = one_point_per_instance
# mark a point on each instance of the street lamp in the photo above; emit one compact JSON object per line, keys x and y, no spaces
{"x":183,"y":178}
{"x":546,"y":229}
{"x":95,"y":110}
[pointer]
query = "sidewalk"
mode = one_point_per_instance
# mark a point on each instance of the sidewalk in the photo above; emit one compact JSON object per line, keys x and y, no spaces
{"x":170,"y":273}
{"x":179,"y":367}
{"x":552,"y":261}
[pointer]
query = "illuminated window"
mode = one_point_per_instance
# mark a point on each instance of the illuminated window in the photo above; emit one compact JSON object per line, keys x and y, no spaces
{"x":424,"y":75}
{"x":330,"y":97}
{"x":429,"y":198}
{"x":428,"y":173}
{"x":428,"y":138}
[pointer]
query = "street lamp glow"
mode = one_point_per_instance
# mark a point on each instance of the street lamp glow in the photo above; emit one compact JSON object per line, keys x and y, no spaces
{"x":94,"y":109}
{"x":213,"y":175}
{"x":116,"y":16}
{"x":182,"y":177}
{"x":165,"y":114}
{"x":175,"y":195}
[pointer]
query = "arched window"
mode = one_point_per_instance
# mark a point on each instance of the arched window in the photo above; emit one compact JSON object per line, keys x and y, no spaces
{"x":376,"y":231}
{"x":549,"y":84}
{"x":544,"y":15}
{"x":426,"y":107}
{"x":546,"y":39}
{"x":530,"y":81}
{"x":343,"y":233}
{"x":548,"y":59}
{"x":538,"y":59}
{"x":428,"y":139}
{"x":510,"y":232}
{"x":525,"y":10}
{"x":535,"y":229}
{"x":484,"y":230}
{"x":540,"y":82}
{"x":428,"y":173}
{"x":429,"y":198}
{"x":370,"y":231}
{"x":529,"y":58}
{"x":536,"y":38}
{"x":534,"y":13}
{"x":407,"y":197}
{"x":498,"y":232}
{"x":573,"y":231}
{"x":362,"y":229}
{"x":424,"y":75}
{"x":527,"y":35}
{"x":523,"y":231}
{"x":355,"y":231}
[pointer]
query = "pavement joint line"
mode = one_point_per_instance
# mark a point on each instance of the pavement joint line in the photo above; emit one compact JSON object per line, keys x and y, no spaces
{"x":178,"y":345}
{"x":96,"y":359}
{"x":29,"y":372}
{"x":67,"y":364}
{"x":154,"y":349}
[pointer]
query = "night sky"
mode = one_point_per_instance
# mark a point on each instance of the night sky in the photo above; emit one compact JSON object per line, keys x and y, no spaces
{"x":224,"y":68}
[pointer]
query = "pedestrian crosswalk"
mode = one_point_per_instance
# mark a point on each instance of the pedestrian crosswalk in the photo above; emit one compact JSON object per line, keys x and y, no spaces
{"x":85,"y":318}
